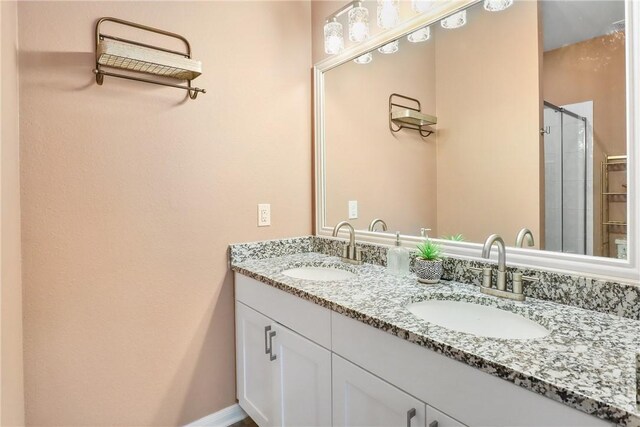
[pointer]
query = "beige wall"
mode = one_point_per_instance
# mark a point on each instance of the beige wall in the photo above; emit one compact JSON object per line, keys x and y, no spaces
{"x":488,"y":124}
{"x":391,"y":175}
{"x":594,"y":70}
{"x":11,"y":372}
{"x":131,"y":195}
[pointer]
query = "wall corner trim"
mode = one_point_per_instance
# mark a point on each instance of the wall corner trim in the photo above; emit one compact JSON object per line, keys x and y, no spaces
{"x":223,"y":418}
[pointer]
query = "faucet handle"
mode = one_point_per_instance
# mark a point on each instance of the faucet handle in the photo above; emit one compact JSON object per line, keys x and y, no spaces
{"x":486,"y":275}
{"x":358,"y":254}
{"x":518,"y":279}
{"x":516,"y":283}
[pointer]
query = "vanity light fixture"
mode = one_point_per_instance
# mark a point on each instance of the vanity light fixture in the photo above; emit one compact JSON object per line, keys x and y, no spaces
{"x":422,"y":6}
{"x":358,"y":18}
{"x":421,"y":35}
{"x":456,"y":20}
{"x":389,"y":47}
{"x":358,"y":23}
{"x":497,"y":5}
{"x":364,"y":59}
{"x":333,"y":39}
{"x":388,"y":13}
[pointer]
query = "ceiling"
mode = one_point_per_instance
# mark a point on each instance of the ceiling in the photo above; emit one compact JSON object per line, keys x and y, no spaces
{"x":567,"y":22}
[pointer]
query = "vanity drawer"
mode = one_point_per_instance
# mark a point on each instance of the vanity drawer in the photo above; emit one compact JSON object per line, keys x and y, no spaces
{"x":465,"y":393}
{"x":307,"y":319}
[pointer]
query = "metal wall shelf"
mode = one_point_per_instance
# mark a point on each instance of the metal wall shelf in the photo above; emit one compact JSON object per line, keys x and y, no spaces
{"x":136,"y":57}
{"x":611,"y":164}
{"x":408,"y":117}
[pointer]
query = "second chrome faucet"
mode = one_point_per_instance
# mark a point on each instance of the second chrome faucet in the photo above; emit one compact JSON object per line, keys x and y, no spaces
{"x":500,"y":290}
{"x":350,"y":253}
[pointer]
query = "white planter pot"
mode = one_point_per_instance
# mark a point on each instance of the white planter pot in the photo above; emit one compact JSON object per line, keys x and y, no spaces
{"x":428,"y":271}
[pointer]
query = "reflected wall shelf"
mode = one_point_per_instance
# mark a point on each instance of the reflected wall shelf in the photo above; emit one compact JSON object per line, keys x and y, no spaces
{"x":611,"y":164}
{"x":136,"y":57}
{"x":409,"y":117}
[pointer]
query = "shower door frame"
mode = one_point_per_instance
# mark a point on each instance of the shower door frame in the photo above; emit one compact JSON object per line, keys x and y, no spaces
{"x":563,"y":111}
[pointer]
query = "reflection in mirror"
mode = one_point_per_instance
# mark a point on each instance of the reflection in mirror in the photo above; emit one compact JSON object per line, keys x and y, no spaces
{"x":529,"y":106}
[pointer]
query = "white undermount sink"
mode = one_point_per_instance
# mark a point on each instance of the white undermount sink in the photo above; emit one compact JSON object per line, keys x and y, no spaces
{"x":322,"y":274}
{"x":477,"y":319}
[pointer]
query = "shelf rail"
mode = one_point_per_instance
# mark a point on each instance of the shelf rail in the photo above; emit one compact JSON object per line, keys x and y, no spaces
{"x":610,"y":164}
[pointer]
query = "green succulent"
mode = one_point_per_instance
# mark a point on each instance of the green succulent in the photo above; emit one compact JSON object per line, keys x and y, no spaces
{"x":455,"y":237}
{"x":429,"y":251}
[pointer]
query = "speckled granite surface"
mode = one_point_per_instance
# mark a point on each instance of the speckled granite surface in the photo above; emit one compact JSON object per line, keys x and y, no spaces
{"x":587,"y":362}
{"x":592,"y":294}
{"x":616,"y":298}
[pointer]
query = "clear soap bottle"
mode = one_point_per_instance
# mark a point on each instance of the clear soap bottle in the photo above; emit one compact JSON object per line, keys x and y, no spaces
{"x":398,"y":259}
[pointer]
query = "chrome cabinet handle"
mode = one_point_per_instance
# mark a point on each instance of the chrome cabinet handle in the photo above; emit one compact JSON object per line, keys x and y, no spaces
{"x":267,"y":350}
{"x":272,"y":356}
{"x":410,"y":414}
{"x":433,"y":424}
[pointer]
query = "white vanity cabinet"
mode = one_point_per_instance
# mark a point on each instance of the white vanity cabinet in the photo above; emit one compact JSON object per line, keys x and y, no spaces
{"x":283,"y":378}
{"x":255,"y":373}
{"x":303,"y":380}
{"x":436,"y":418}
{"x":362,"y":399}
{"x":293,"y":355}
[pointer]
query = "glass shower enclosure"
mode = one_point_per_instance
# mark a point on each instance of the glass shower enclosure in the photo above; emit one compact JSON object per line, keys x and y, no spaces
{"x":566,"y":181}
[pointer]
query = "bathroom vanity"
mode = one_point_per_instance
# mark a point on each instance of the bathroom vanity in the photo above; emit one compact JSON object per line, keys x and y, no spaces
{"x":370,"y":348}
{"x":349,"y":351}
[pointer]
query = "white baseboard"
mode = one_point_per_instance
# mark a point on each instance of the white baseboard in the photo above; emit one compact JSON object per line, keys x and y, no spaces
{"x":223,"y":418}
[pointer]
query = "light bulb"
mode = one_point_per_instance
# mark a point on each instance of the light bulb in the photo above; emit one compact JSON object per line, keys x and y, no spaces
{"x":388,"y":13}
{"x":364,"y":59}
{"x":421,"y":6}
{"x":497,"y":5}
{"x":358,"y":23}
{"x":456,"y":20}
{"x":421,"y":35}
{"x":389,"y":47}
{"x":333,"y":40}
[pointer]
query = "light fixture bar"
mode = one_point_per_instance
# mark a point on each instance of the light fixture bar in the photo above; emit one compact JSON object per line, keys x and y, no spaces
{"x":344,"y":9}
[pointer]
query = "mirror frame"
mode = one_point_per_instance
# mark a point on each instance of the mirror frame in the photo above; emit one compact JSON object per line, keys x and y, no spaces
{"x":584,"y":265}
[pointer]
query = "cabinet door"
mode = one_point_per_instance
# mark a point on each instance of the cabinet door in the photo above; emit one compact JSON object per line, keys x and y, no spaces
{"x":362,"y":399}
{"x":436,"y":418}
{"x":303,"y":372}
{"x":254,"y":372}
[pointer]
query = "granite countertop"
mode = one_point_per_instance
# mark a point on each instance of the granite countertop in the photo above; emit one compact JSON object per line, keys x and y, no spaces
{"x":588,"y":361}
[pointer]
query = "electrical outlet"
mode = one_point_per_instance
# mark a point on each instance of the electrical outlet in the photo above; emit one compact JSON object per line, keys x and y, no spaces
{"x":264,"y":214}
{"x":353,"y":209}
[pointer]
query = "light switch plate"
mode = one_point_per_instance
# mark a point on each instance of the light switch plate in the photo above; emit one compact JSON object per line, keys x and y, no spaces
{"x":353,"y":209}
{"x":264,"y":214}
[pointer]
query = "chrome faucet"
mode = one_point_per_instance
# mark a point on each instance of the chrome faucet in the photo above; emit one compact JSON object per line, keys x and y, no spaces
{"x":525,"y":232}
{"x":350,"y":253}
{"x":516,"y":293}
{"x":501,"y":283}
{"x":377,"y":221}
{"x":424,"y":232}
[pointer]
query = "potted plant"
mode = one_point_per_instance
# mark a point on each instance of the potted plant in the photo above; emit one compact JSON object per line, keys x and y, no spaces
{"x":454,"y":237}
{"x":428,"y":263}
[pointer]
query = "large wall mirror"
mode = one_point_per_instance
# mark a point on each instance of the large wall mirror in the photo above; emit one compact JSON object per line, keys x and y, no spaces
{"x":531,"y":131}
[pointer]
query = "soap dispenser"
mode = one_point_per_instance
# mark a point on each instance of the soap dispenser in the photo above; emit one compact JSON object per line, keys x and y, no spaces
{"x":398,"y":259}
